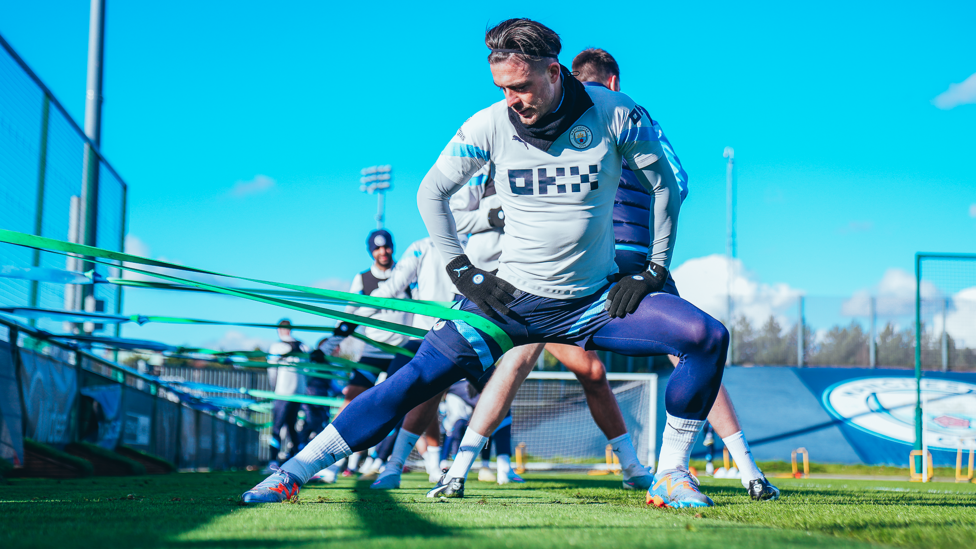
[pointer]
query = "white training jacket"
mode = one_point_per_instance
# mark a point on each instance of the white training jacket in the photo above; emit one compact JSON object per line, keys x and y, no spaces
{"x":558,"y":240}
{"x":421,"y":264}
{"x":388,"y":315}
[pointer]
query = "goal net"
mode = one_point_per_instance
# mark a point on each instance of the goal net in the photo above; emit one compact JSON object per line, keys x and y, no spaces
{"x":553,"y":429}
{"x":552,"y":424}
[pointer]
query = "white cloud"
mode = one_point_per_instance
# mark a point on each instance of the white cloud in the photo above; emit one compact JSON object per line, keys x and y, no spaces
{"x":703,"y":282}
{"x":136,"y":246}
{"x":972,"y":210}
{"x":895,"y":296}
{"x":960,"y":318}
{"x":233,"y":340}
{"x":337,"y":284}
{"x":260,"y":184}
{"x":957,"y":94}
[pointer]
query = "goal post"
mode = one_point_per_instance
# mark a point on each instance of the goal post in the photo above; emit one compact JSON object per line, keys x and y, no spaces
{"x":945,"y":327}
{"x":551,"y":418}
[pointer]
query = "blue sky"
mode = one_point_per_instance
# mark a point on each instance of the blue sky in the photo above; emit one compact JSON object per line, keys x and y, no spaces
{"x":241,"y":127}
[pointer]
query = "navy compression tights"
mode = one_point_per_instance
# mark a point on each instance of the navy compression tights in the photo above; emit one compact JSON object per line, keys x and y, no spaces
{"x":662,"y":324}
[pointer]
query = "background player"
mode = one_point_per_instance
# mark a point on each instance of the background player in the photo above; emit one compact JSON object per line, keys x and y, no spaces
{"x":379,"y":244}
{"x":420,"y":267}
{"x":287,"y":381}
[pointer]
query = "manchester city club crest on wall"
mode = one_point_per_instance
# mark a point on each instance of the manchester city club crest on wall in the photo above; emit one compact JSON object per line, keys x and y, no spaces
{"x":580,"y":137}
{"x":885,"y":407}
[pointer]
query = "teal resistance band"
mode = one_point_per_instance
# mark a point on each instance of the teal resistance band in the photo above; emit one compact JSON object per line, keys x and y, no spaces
{"x":82,"y":316}
{"x":301,"y":296}
{"x":481,"y":323}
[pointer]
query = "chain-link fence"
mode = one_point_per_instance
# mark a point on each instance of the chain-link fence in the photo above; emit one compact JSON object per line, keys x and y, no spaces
{"x":946,"y":294}
{"x":862,"y":330}
{"x":42,"y":175}
{"x":55,"y":394}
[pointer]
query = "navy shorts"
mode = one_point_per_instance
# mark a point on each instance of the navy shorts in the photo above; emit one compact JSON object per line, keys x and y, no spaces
{"x":534,"y":319}
{"x":365,"y":378}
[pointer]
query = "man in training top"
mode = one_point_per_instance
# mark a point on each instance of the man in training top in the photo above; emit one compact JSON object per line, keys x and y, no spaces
{"x":287,"y":381}
{"x":423,"y":266}
{"x":379,"y":244}
{"x":554,"y":148}
{"x":631,"y":216}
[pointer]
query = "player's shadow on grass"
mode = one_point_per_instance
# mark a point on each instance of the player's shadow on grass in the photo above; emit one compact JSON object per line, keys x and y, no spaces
{"x":398,"y":520}
{"x":144,"y":511}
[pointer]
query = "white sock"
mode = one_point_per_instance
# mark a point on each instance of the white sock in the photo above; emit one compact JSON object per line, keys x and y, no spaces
{"x":471,"y":445}
{"x":679,"y":438}
{"x":405,"y":441}
{"x":353,"y":462}
{"x":485,"y":464}
{"x":623,"y":446}
{"x":504,"y":464}
{"x":321,"y":452}
{"x":739,"y":449}
{"x":432,"y":460}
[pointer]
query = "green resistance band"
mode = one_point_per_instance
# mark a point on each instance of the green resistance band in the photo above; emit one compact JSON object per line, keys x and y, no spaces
{"x":250,"y":424}
{"x":481,"y":323}
{"x":335,"y":364}
{"x":330,"y":313}
{"x":304,"y":399}
{"x":302,"y":296}
{"x":386,"y":347}
{"x":202,"y":351}
{"x":313,"y":373}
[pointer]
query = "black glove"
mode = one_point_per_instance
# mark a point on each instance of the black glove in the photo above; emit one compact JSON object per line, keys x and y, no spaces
{"x":486,"y":290}
{"x":496,"y":218}
{"x":345,"y":329}
{"x":626,"y":295}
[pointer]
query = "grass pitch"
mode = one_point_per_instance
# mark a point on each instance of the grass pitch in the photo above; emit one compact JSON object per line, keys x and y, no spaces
{"x":201,"y":511}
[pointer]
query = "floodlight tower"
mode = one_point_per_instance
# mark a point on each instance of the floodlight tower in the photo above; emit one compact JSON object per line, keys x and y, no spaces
{"x":377,"y":179}
{"x":729,"y":236}
{"x":83,"y":298}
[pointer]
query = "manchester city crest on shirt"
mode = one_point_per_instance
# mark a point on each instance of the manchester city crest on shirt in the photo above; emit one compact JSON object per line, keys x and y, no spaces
{"x":581,"y":137}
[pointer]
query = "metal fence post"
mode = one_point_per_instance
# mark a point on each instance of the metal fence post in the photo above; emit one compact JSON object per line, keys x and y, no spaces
{"x":945,"y":336}
{"x":919,"y":462}
{"x":39,"y":209}
{"x":873,"y":341}
{"x":800,"y":332}
{"x":91,"y":159}
{"x":18,"y":375}
{"x":79,"y":406}
{"x":118,"y":287}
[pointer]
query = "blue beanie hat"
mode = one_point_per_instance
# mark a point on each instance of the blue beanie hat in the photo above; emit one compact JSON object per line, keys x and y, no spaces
{"x":378,"y":238}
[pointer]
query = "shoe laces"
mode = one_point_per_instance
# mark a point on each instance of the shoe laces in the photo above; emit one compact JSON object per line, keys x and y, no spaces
{"x":680,"y":475}
{"x":279,"y":477}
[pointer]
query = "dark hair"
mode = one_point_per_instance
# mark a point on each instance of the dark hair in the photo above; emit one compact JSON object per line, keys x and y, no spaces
{"x":595,"y":65}
{"x":537,"y":42}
